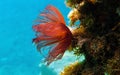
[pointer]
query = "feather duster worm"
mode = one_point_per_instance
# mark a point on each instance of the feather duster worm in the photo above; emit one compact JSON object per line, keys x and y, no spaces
{"x":51,"y":29}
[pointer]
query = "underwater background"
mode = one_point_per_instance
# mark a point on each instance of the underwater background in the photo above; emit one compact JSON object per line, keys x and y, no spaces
{"x":18,"y":55}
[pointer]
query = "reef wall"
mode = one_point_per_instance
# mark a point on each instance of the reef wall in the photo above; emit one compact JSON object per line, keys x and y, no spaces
{"x":97,"y":37}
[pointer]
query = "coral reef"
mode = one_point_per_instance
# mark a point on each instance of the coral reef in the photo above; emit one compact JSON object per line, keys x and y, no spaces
{"x":97,"y":37}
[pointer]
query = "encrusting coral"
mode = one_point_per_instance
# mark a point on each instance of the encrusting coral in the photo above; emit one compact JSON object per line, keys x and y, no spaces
{"x":72,"y":69}
{"x":73,"y":15}
{"x":97,"y":37}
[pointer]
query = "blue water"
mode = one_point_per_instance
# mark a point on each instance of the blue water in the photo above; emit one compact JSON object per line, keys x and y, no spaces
{"x":18,"y":56}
